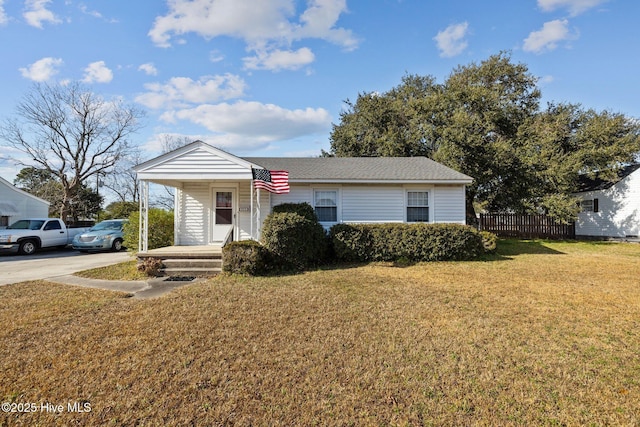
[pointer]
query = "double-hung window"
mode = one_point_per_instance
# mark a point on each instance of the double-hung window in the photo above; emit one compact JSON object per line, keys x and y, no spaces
{"x":326,"y":205}
{"x":417,"y":206}
{"x":589,"y":205}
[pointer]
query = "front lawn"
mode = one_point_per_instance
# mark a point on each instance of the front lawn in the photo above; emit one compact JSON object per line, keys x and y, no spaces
{"x":542,"y":333}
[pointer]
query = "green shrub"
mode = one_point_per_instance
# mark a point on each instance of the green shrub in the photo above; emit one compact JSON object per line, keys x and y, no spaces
{"x":295,"y":240}
{"x":489,"y":241}
{"x":246,"y":257}
{"x":117,"y":210}
{"x":303,"y":209}
{"x":160,"y":229}
{"x":413,"y":242}
{"x":350,"y":243}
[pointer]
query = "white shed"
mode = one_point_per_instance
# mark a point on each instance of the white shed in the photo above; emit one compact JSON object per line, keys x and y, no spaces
{"x":16,"y":203}
{"x":216,"y":199}
{"x":610,"y":208}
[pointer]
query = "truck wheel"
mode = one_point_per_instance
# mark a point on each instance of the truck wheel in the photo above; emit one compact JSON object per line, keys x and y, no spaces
{"x":28,"y":247}
{"x":117,"y":245}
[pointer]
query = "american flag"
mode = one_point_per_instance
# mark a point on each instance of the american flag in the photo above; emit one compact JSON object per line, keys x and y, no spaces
{"x":272,"y":181}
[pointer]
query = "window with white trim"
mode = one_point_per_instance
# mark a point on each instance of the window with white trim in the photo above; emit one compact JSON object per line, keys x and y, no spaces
{"x":589,"y":205}
{"x":417,"y":206}
{"x":326,"y":205}
{"x":4,"y":221}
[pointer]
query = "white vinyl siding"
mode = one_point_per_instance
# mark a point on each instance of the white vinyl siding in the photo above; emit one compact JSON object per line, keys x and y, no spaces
{"x":355,"y":204}
{"x":16,"y":204}
{"x":244,"y":211}
{"x":199,"y":162}
{"x":296,"y":194}
{"x":449,"y":204}
{"x":372,"y":204}
{"x":618,"y":212}
{"x":195,"y":206}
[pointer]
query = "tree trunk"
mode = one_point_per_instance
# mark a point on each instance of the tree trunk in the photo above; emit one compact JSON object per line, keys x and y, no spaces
{"x":471,"y":217}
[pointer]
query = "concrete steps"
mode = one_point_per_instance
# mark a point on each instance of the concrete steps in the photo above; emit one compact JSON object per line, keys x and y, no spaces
{"x":192,"y":267}
{"x":187,"y":261}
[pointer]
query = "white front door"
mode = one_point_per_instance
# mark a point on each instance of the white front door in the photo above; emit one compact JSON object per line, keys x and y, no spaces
{"x":223,"y":214}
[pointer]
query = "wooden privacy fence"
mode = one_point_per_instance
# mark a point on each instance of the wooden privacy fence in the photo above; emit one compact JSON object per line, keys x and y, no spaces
{"x":526,"y":226}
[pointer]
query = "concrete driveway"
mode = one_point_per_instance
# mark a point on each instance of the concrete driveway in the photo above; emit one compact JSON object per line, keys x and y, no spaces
{"x":50,"y":264}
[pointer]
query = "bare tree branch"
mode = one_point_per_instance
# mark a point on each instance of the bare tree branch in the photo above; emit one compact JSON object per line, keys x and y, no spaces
{"x":72,"y":133}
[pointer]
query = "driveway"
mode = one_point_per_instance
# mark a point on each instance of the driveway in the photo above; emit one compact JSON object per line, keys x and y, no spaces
{"x":49,"y":264}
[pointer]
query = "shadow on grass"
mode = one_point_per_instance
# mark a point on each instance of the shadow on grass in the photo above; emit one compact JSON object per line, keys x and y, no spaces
{"x":512,"y":247}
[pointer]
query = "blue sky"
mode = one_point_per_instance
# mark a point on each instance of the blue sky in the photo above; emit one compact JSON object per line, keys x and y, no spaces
{"x":269,"y":77}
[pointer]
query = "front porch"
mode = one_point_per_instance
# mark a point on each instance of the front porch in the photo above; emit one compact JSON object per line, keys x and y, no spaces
{"x":187,"y":261}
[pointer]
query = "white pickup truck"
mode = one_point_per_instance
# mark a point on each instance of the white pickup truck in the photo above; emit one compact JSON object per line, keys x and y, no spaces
{"x":27,"y":236}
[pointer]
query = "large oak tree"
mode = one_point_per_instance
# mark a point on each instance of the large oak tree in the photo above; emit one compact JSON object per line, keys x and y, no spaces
{"x":485,"y":120}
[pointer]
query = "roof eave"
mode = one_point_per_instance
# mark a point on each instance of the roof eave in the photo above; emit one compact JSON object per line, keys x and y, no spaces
{"x":382,"y":181}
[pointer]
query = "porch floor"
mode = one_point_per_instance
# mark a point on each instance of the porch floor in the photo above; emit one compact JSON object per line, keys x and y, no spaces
{"x":213,"y":251}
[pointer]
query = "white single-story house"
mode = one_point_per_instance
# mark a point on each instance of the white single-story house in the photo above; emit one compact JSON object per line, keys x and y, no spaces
{"x":16,"y":204}
{"x":216,"y":200}
{"x":610,"y":209}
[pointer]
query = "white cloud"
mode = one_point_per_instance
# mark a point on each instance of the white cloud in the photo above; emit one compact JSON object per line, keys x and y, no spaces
{"x":277,"y":60}
{"x":182,"y":91}
{"x":215,"y":56}
{"x":548,"y":37}
{"x":244,"y":124}
{"x":546,"y":80}
{"x":149,"y":69}
{"x":3,"y":16}
{"x":37,"y":13}
{"x":97,"y":72}
{"x":42,"y":70}
{"x":268,"y":27}
{"x":575,"y":7}
{"x":318,"y":22}
{"x":84,"y":9}
{"x":451,"y":41}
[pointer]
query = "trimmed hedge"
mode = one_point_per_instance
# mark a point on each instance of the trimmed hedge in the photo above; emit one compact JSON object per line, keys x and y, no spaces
{"x":414,"y":242}
{"x":295,"y":240}
{"x":246,"y":257}
{"x":303,"y":209}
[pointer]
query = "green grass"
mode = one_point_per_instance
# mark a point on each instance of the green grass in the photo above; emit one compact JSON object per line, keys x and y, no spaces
{"x":123,"y":271}
{"x":543,"y":333}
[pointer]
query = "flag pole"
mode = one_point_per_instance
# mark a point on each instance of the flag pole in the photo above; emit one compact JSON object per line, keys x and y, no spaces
{"x":258,"y":216}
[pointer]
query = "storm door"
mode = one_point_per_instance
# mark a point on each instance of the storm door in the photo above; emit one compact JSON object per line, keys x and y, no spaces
{"x":222,"y":215}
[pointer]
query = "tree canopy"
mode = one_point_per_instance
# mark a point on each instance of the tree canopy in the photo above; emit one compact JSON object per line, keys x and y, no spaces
{"x":42,"y":183}
{"x":72,"y":134}
{"x":485,"y":121}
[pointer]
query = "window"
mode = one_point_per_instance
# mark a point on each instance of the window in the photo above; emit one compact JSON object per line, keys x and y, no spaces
{"x":417,"y":206}
{"x":4,"y":221}
{"x":326,"y":205}
{"x":589,"y":205}
{"x":52,"y":225}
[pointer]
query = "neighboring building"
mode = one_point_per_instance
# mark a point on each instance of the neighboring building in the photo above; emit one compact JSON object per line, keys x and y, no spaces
{"x":216,"y":201}
{"x":610,"y":209}
{"x":16,"y":204}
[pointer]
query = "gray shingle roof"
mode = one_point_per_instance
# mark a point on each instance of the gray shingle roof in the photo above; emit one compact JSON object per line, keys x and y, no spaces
{"x":361,"y":169}
{"x":591,"y":184}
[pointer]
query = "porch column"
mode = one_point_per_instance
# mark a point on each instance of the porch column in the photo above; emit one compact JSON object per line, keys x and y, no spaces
{"x":143,"y":227}
{"x":251,"y":208}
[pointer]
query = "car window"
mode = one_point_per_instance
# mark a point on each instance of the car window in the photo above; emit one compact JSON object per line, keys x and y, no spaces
{"x":51,"y":225}
{"x":35,"y":225}
{"x":23,"y":224}
{"x":107,"y":225}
